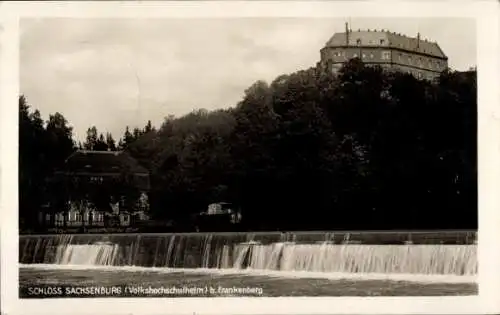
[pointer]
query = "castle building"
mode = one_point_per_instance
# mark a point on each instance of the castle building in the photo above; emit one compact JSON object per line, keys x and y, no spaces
{"x":422,"y":58}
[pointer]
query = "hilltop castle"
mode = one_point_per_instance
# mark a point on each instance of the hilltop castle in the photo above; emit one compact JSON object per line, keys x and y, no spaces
{"x":422,"y":58}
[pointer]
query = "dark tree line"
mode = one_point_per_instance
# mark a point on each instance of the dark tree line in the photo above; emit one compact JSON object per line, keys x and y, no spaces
{"x":365,"y":149}
{"x":43,"y":147}
{"x":96,"y":141}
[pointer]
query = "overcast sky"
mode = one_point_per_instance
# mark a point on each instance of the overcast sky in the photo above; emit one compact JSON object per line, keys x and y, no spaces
{"x":117,"y":72}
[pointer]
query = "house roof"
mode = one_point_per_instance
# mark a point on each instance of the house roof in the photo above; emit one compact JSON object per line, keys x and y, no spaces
{"x":83,"y":161}
{"x":389,"y":39}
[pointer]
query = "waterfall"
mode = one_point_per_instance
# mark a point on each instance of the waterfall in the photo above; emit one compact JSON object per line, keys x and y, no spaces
{"x":99,"y":254}
{"x":307,"y":252}
{"x":241,"y":251}
{"x":225,"y":257}
{"x":414,"y":259}
{"x":206,"y":251}
{"x":263,"y":256}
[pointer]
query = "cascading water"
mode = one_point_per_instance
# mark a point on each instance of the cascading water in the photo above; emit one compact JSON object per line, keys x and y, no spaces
{"x":96,"y":254}
{"x":307,"y":252}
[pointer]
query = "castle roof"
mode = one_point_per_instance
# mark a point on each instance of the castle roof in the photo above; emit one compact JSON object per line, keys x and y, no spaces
{"x":381,"y":38}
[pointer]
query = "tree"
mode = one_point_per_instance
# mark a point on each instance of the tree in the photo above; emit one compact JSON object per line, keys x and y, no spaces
{"x":121,"y":145}
{"x":101,"y":144}
{"x":149,"y":127}
{"x":42,"y":150}
{"x":59,"y":139}
{"x":59,"y":146}
{"x":128,"y":138}
{"x":110,"y":142}
{"x":92,"y":139}
{"x":32,"y":164}
{"x":136,"y":134}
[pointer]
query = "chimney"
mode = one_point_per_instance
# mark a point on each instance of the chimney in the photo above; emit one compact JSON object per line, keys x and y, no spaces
{"x":346,"y":34}
{"x":418,"y":39}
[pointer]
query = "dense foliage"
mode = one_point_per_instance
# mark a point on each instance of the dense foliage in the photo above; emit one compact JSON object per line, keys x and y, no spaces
{"x":365,"y":149}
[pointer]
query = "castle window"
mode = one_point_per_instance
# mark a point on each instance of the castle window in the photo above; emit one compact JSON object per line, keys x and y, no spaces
{"x":409,"y":59}
{"x":372,"y":56}
{"x":364,"y":56}
{"x":419,"y":75}
{"x":355,"y":56}
{"x":386,"y":55}
{"x":358,"y":42}
{"x":382,"y":42}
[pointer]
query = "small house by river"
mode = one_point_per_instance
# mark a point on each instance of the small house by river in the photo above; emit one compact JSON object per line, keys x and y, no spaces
{"x":104,"y":188}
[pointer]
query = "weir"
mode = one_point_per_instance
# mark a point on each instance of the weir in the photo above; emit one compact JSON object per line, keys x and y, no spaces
{"x":430,"y":253}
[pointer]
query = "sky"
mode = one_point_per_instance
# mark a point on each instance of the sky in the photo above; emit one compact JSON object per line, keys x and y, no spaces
{"x":111,"y":73}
